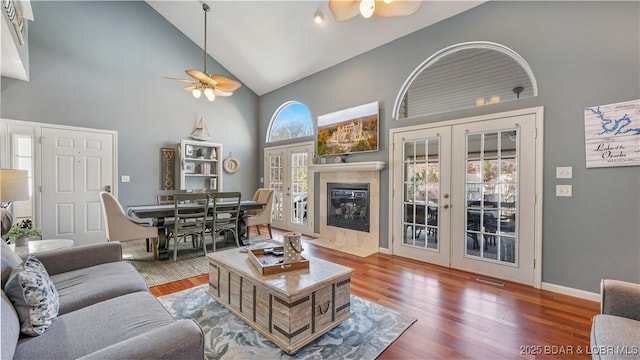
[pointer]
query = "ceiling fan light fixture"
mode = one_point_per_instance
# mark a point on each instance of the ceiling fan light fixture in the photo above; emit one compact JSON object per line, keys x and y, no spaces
{"x":343,"y":10}
{"x":202,"y":81}
{"x":208,"y":92}
{"x":367,"y":7}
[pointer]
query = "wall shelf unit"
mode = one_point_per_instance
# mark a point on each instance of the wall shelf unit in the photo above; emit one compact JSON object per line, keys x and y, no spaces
{"x":200,"y":165}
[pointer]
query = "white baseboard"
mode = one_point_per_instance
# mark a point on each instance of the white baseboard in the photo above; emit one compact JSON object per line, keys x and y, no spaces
{"x":384,"y":251}
{"x":571,"y":291}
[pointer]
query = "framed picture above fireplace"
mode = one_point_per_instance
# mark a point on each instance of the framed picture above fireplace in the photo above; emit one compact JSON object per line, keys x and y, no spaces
{"x":348,"y":131}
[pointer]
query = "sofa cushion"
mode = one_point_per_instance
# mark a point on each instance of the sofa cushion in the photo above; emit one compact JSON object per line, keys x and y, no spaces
{"x":9,"y":261}
{"x":614,"y":332}
{"x":10,"y":328}
{"x":87,"y":286}
{"x":95,"y":327}
{"x":33,"y":295}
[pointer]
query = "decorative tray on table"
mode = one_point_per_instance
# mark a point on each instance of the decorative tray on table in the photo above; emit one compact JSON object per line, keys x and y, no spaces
{"x":270,"y":261}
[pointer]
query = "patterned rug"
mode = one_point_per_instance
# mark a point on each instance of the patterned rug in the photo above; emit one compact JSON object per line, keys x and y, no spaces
{"x":191,"y":261}
{"x":365,"y":335}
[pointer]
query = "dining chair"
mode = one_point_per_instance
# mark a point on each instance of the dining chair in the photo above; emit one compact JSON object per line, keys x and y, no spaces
{"x":119,"y":227}
{"x":260,"y":216}
{"x":190,"y":218}
{"x":165,"y":197}
{"x":225,"y":215}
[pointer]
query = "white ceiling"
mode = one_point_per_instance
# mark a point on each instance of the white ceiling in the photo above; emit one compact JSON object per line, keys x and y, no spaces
{"x":269,"y":44}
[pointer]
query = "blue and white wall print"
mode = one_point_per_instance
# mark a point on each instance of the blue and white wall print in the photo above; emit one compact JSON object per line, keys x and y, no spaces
{"x":612,"y":134}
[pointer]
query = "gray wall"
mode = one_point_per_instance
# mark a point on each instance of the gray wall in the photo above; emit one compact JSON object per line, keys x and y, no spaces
{"x":582,"y":54}
{"x":101,"y":65}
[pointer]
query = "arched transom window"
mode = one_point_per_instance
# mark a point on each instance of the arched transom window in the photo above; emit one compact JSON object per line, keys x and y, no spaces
{"x":463,"y":76}
{"x":291,"y":120}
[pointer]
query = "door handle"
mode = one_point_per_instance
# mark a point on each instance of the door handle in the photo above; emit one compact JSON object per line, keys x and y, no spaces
{"x":445,"y":206}
{"x":107,"y":188}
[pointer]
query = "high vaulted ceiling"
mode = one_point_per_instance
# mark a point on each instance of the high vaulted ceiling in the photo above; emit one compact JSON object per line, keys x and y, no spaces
{"x":269,"y":44}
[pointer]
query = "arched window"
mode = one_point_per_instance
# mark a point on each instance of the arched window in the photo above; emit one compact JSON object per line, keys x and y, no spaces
{"x":291,"y":120}
{"x":463,"y":76}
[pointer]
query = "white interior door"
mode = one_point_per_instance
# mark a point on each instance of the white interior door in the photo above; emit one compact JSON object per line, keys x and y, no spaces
{"x":76,"y":166}
{"x":287,"y":172}
{"x":468,"y":196}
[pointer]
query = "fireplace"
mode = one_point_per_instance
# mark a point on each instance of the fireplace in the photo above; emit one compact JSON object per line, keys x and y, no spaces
{"x":348,"y":206}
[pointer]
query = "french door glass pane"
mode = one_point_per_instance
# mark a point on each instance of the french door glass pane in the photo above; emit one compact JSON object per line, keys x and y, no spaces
{"x":421,"y":183}
{"x":492,"y":198}
{"x":299,"y":182}
{"x":275,"y":180}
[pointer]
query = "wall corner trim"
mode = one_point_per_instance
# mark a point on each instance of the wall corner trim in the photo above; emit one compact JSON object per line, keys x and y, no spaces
{"x":385,"y":251}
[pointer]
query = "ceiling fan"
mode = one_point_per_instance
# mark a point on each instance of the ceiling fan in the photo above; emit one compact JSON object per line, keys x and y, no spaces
{"x":203,"y":83}
{"x":343,"y":10}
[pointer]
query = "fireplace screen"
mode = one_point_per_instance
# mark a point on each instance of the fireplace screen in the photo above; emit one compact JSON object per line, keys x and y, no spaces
{"x":348,"y":206}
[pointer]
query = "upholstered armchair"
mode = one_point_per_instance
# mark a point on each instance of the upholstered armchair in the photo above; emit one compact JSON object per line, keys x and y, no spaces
{"x":615,"y":332}
{"x":121,"y":228}
{"x":260,"y":216}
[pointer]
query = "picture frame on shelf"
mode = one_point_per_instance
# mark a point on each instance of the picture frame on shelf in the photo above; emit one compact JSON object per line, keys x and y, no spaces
{"x":188,"y":149}
{"x":189,"y":168}
{"x":213,"y":183}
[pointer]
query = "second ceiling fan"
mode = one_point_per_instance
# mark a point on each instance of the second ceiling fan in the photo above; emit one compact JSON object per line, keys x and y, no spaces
{"x":211,"y":85}
{"x":343,"y":10}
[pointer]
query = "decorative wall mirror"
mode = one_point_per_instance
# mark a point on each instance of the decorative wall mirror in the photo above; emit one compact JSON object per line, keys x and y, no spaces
{"x":231,"y":165}
{"x":463,"y":76}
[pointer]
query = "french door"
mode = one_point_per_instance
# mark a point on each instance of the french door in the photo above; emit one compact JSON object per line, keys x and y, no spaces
{"x":422,"y":162}
{"x":465,"y":196}
{"x":287,"y":172}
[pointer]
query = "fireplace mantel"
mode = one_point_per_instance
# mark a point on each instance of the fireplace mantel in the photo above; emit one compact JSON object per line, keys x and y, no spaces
{"x":355,"y":166}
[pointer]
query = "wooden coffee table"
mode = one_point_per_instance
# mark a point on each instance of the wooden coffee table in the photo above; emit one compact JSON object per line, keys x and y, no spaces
{"x":290,"y":308}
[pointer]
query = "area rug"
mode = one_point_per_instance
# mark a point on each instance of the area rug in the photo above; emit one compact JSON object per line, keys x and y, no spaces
{"x":365,"y":335}
{"x":191,"y":261}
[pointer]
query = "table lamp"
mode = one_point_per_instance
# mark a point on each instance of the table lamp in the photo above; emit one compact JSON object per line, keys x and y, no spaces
{"x":14,"y":186}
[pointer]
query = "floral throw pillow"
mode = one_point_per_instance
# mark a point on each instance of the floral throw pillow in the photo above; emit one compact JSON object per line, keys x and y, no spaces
{"x":33,"y":295}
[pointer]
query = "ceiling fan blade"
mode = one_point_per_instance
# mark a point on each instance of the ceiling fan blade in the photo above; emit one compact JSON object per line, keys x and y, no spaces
{"x":343,"y":10}
{"x":199,"y":75}
{"x":182,"y":80}
{"x":189,"y":88}
{"x":218,"y":92}
{"x":225,"y":84}
{"x":396,"y":8}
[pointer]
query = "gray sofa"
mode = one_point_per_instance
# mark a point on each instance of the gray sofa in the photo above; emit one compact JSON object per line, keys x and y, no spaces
{"x":105,"y":312}
{"x":615,"y":333}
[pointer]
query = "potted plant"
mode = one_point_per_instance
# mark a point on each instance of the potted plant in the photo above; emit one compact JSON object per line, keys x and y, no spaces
{"x":22,"y":232}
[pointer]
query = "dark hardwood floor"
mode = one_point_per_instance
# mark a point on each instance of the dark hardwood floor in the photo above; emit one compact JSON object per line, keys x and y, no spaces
{"x":458,"y":317}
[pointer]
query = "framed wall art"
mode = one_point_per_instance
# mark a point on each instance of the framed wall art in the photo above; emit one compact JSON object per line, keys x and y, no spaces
{"x":612,"y":134}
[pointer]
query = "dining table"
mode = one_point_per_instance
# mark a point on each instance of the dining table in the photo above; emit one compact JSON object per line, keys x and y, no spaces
{"x":159,"y":212}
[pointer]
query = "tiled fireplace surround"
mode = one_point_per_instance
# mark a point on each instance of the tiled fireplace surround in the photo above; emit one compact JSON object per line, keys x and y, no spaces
{"x":354,"y":242}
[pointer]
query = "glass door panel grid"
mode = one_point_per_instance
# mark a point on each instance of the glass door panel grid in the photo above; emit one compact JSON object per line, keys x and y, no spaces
{"x":492,"y":196}
{"x":421,"y":184}
{"x":299,"y":187}
{"x":275,"y":182}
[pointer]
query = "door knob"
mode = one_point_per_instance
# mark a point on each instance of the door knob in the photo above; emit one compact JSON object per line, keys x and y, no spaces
{"x":107,"y":188}
{"x":445,"y":206}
